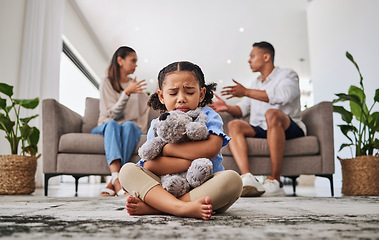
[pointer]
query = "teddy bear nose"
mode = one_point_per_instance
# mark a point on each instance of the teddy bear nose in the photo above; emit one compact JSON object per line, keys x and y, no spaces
{"x":163,"y":116}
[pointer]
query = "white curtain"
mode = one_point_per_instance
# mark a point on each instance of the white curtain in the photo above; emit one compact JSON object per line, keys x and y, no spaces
{"x":40,"y":58}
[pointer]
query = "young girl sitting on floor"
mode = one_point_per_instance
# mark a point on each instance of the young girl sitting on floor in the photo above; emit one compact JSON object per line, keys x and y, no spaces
{"x":182,"y":87}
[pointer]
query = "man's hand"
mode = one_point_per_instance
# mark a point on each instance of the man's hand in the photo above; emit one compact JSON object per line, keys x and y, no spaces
{"x":135,"y":87}
{"x":219,"y":105}
{"x":234,"y":91}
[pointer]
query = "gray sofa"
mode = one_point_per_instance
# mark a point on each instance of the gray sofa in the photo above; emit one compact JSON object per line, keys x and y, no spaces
{"x":69,"y":148}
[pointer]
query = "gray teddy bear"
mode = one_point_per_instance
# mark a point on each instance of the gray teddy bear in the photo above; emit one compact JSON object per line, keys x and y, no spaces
{"x":173,"y":127}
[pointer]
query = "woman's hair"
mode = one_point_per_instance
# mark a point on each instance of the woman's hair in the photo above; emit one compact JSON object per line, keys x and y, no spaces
{"x":154,"y":101}
{"x":114,"y":67}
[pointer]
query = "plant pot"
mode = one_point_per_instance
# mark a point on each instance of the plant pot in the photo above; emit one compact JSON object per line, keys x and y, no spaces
{"x":17,"y":174}
{"x":360,"y":176}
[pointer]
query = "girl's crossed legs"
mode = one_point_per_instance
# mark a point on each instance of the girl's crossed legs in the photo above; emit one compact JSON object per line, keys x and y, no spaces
{"x":149,"y":197}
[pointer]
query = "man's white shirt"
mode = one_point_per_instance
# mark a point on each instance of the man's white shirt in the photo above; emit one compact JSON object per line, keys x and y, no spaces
{"x":282,"y":88}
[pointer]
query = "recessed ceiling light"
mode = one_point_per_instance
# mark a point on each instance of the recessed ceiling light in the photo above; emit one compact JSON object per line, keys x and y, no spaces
{"x":241,"y":29}
{"x":228,"y":61}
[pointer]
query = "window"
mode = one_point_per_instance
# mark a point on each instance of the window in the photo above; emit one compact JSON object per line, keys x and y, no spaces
{"x":76,"y":83}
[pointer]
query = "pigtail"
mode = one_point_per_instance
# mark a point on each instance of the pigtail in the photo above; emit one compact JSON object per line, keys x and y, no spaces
{"x":210,"y":88}
{"x":156,"y":104}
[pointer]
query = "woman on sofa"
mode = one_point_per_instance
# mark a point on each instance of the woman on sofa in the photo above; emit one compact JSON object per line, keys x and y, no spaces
{"x":123,"y":114}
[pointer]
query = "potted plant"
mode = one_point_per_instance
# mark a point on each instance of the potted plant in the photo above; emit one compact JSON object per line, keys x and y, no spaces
{"x":17,"y":171}
{"x":360,"y":174}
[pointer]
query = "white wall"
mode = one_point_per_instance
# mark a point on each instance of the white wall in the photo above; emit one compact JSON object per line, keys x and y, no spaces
{"x":12,"y":14}
{"x":11,"y":29}
{"x":334,"y":28}
{"x":204,"y":32}
{"x":76,"y":30}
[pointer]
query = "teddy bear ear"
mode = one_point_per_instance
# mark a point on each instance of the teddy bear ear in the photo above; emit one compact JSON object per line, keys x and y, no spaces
{"x":163,"y":116}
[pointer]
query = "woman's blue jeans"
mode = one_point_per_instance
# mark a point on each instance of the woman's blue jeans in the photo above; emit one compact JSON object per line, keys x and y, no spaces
{"x":119,"y":140}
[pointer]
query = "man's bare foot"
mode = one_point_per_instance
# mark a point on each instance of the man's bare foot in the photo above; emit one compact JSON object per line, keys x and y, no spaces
{"x":201,"y":208}
{"x":135,"y":206}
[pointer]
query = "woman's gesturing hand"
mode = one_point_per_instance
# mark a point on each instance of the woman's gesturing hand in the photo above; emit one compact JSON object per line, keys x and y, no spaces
{"x":135,"y":87}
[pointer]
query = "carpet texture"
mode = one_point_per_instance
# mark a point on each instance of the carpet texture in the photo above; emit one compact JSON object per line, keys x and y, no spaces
{"x":37,"y":217}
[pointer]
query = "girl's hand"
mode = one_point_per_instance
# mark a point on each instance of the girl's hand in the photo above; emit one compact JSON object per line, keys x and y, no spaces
{"x":234,"y":91}
{"x":219,"y":105}
{"x":135,"y":87}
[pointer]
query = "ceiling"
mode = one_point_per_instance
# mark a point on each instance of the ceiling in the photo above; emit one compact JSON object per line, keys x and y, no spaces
{"x":215,"y":34}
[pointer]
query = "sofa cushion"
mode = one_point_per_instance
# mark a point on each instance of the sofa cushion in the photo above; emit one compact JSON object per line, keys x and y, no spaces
{"x":91,"y":114}
{"x":294,"y":147}
{"x":87,"y":143}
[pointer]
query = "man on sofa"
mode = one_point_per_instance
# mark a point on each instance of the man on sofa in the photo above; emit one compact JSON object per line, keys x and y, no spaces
{"x":273,"y":101}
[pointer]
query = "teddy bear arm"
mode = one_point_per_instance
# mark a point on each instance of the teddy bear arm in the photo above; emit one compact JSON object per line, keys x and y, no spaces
{"x":196,"y":131}
{"x":151,"y":148}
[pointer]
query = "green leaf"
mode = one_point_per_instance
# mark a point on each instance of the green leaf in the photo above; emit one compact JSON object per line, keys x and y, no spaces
{"x":28,"y":103}
{"x":346,"y":115}
{"x":374,"y":122}
{"x":6,"y":89}
{"x":376,"y":143}
{"x":376,"y":98}
{"x":3,"y":103}
{"x":6,"y":124}
{"x":8,"y":109}
{"x":27,"y":120}
{"x":345,"y":145}
{"x":350,"y":57}
{"x":26,"y":130}
{"x":342,"y":97}
{"x":367,"y":149}
{"x":358,"y":92}
{"x":32,"y":140}
{"x":34,"y":137}
{"x":31,"y":150}
{"x":359,"y":110}
{"x":345,"y":129}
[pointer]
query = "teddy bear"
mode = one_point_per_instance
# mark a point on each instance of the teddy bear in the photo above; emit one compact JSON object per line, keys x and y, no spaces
{"x":173,"y":127}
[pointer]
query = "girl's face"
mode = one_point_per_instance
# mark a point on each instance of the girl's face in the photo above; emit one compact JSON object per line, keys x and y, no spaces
{"x":181,"y":91}
{"x":128,"y":64}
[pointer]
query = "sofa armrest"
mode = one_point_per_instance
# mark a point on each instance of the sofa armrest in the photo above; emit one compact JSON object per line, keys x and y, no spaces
{"x":227,"y":117}
{"x":319,"y":122}
{"x":57,"y":120}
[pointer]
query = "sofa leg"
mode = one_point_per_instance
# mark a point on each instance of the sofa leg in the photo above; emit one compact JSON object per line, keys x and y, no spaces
{"x":47,"y":177}
{"x":46,"y":183}
{"x":76,"y":176}
{"x":294,"y":183}
{"x":330,"y":177}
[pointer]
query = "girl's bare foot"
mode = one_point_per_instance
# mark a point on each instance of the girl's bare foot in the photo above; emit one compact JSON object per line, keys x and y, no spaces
{"x":135,"y":206}
{"x":201,"y":208}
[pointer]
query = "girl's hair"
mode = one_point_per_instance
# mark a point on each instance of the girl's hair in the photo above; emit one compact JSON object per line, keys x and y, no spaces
{"x":154,"y":101}
{"x":114,"y":67}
